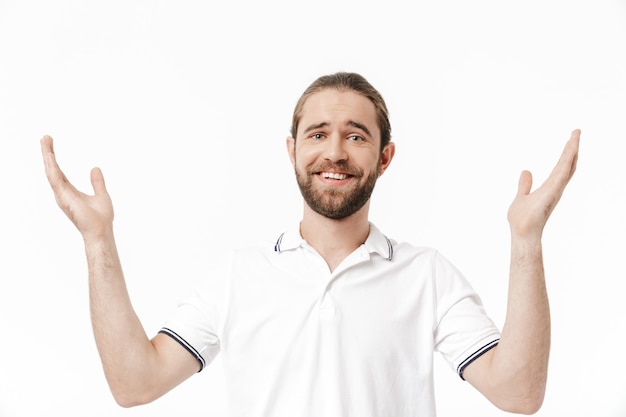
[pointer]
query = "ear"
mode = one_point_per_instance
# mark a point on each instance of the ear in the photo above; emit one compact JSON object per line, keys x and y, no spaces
{"x":386,"y":156}
{"x":291,"y":149}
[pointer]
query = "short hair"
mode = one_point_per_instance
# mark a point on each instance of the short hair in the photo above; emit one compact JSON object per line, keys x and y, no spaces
{"x":349,"y":81}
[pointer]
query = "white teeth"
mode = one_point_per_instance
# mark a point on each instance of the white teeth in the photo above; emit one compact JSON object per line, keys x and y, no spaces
{"x":334,"y":175}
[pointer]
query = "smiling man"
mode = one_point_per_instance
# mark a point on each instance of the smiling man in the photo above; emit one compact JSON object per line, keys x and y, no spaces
{"x":333,"y":319}
{"x":338,"y":155}
{"x":339,"y":142}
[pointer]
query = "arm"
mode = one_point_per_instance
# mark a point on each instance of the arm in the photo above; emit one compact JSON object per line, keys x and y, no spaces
{"x":137,"y":369}
{"x":513,"y":375}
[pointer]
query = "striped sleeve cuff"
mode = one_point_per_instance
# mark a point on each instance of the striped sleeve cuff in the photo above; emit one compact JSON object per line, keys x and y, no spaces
{"x":186,"y":345}
{"x":475,"y":356}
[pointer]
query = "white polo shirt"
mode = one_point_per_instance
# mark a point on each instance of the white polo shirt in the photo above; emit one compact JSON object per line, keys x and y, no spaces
{"x":299,"y":340}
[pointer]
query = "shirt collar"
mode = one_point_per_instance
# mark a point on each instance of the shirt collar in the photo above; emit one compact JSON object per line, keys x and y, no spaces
{"x":376,"y":242}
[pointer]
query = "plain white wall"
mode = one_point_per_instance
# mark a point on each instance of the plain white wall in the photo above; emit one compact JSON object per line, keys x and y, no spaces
{"x":186,"y":105}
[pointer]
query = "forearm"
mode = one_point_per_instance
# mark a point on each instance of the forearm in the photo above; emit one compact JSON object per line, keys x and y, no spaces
{"x":513,"y":375}
{"x":137,"y":369}
{"x":520,"y":362}
{"x":124,"y":348}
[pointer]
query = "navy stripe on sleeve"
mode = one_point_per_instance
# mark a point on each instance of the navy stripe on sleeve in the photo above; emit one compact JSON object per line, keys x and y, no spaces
{"x":186,"y":345}
{"x":475,"y":356}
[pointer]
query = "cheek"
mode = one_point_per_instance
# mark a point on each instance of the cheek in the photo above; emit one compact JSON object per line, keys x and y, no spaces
{"x":367,"y":159}
{"x":305,"y":156}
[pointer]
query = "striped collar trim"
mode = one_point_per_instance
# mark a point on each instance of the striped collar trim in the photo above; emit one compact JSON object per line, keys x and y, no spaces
{"x":376,"y":242}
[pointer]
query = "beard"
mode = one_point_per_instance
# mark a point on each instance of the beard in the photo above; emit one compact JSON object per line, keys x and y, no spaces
{"x":337,"y":204}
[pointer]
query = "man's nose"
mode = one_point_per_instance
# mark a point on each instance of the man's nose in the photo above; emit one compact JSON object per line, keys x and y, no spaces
{"x":336,"y":149}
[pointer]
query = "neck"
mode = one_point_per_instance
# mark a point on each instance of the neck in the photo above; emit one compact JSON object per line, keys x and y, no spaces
{"x":334,"y":239}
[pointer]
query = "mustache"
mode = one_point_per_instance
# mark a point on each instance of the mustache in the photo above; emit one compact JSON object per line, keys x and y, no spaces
{"x":336,"y":166}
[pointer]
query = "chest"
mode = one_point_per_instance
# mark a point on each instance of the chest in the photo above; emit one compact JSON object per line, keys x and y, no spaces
{"x":365,"y":309}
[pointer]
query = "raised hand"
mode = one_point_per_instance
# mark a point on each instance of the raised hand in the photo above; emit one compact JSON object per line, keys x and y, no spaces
{"x":529,"y":212}
{"x":91,"y":214}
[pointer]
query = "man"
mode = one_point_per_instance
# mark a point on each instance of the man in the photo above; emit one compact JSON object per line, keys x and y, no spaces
{"x":335,"y":319}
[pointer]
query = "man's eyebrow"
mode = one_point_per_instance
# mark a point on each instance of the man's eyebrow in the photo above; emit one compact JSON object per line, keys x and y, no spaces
{"x":348,"y":123}
{"x":359,"y":126}
{"x":315,"y":126}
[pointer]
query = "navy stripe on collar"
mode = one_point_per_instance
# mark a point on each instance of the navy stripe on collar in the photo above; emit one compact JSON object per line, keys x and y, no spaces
{"x":390,"y":257}
{"x":389,"y":246}
{"x":278,"y":242}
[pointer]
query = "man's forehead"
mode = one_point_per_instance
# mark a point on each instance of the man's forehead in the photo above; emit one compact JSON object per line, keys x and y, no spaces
{"x":343,"y":106}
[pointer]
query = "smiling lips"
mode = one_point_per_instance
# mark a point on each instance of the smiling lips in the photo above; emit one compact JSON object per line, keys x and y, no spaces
{"x":336,"y":172}
{"x":334,"y":175}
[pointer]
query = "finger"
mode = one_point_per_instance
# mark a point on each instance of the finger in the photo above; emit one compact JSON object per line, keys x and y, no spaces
{"x":571,"y":147}
{"x":97,"y":181}
{"x":525,"y":183}
{"x":566,"y":166}
{"x":53,"y":172}
{"x":575,"y":145}
{"x":46,"y":148}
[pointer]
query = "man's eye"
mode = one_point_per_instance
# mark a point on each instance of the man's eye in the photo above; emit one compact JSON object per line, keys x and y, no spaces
{"x":355,"y":138}
{"x":317,"y":136}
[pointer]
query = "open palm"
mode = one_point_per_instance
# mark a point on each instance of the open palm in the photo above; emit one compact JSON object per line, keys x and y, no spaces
{"x":91,"y":214}
{"x":529,"y":212}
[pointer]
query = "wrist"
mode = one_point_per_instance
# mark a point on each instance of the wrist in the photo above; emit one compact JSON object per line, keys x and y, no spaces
{"x":98,"y":235}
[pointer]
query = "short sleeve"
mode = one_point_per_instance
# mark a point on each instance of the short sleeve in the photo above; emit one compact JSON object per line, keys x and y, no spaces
{"x":464,"y":331}
{"x":195,"y":323}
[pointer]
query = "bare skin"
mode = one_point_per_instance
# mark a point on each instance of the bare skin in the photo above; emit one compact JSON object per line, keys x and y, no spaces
{"x":139,"y":370}
{"x":513,"y":375}
{"x":335,"y":117}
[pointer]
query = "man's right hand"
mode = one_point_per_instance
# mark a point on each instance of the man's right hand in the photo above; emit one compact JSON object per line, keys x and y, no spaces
{"x":92,"y":215}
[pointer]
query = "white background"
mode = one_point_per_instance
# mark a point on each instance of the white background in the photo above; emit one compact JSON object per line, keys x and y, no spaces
{"x":186,"y":105}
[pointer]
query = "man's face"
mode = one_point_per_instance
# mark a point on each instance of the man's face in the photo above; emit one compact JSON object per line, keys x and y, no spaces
{"x":336,"y":155}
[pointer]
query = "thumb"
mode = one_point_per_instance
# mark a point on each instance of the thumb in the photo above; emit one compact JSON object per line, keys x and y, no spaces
{"x":97,"y":181}
{"x":525,"y":183}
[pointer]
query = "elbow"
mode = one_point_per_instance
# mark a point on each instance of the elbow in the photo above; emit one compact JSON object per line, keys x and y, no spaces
{"x":127,"y":401}
{"x":127,"y":397}
{"x":532,"y":405}
{"x":527,"y":409}
{"x":527,"y":404}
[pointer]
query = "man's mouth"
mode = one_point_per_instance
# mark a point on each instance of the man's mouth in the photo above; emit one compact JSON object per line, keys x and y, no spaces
{"x":334,"y":175}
